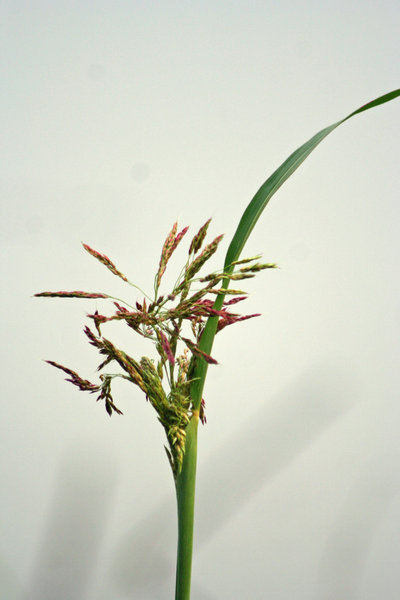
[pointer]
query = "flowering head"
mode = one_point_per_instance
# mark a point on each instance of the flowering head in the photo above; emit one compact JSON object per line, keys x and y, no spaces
{"x":174,"y":323}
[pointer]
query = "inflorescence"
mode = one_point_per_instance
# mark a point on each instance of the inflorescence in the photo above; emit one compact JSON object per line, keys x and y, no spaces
{"x":166,"y":381}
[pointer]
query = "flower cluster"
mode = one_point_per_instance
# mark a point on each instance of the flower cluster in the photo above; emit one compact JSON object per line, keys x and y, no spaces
{"x":174,"y":323}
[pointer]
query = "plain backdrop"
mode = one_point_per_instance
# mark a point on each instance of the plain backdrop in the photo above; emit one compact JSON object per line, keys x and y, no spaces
{"x":117,"y":119}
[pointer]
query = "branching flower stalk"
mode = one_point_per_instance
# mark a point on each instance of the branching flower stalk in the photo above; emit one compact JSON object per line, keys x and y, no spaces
{"x":182,"y":325}
{"x":164,"y":321}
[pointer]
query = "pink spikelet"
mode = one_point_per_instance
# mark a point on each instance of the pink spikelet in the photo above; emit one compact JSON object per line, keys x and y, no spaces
{"x":197,"y":352}
{"x":168,"y":248}
{"x":99,"y":320}
{"x":82,"y":384}
{"x":178,"y":238}
{"x":166,"y":253}
{"x":199,"y":238}
{"x":198,"y":262}
{"x":230,"y":318}
{"x":166,"y":347}
{"x":105,"y":261}
{"x":93,"y":340}
{"x":234,"y":300}
{"x":74,"y":294}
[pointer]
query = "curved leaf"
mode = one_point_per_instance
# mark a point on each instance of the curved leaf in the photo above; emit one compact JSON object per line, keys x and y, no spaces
{"x":287,"y":168}
{"x":248,"y":221}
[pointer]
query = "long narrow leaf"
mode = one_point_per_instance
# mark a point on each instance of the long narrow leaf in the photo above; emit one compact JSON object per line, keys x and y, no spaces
{"x":287,"y":168}
{"x":250,"y":218}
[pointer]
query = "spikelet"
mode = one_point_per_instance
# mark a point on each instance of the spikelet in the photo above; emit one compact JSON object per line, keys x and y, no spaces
{"x":165,"y":346}
{"x":195,"y":266}
{"x":224,"y":291}
{"x":258,"y":267}
{"x":170,"y":244}
{"x":105,"y":261}
{"x":198,"y":239}
{"x":105,"y":395}
{"x":197,"y":352}
{"x":82,"y":384}
{"x":74,"y":294}
{"x":229,"y":319}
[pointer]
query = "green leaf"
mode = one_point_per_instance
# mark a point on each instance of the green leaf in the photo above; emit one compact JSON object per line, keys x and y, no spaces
{"x":248,"y":221}
{"x":287,"y":168}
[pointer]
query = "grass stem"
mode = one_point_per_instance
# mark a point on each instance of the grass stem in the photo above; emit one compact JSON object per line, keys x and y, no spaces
{"x":185,"y":493}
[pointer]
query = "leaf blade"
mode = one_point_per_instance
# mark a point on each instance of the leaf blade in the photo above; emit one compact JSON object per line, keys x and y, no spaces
{"x":247,"y":223}
{"x":281,"y":174}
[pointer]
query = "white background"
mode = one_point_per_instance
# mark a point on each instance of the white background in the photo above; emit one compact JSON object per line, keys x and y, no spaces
{"x":117,"y":119}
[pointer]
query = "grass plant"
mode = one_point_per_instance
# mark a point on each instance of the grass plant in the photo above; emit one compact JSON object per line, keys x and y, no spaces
{"x":181,"y":325}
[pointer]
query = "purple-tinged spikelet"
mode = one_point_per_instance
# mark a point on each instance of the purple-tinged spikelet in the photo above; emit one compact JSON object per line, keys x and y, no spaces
{"x":83,"y":384}
{"x":74,"y":294}
{"x":226,"y":292}
{"x":199,"y":238}
{"x":234,"y":300}
{"x":120,"y":307}
{"x":105,"y":261}
{"x":98,"y":320}
{"x":178,"y":239}
{"x":230,"y":318}
{"x":105,"y":395}
{"x":195,"y":266}
{"x":197,"y":352}
{"x":165,"y":346}
{"x":166,"y":253}
{"x":168,"y":248}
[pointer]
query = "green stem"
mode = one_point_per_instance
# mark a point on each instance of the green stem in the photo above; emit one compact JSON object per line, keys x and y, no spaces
{"x":185,"y":493}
